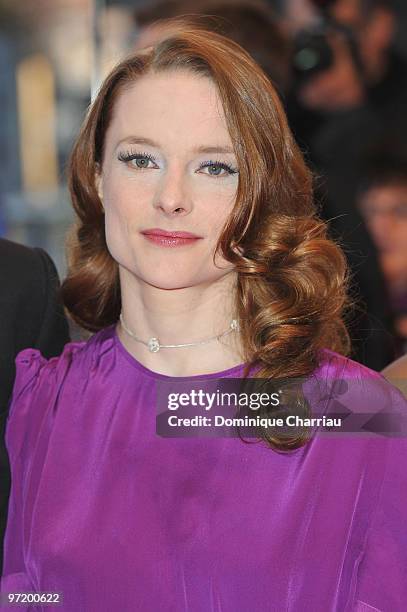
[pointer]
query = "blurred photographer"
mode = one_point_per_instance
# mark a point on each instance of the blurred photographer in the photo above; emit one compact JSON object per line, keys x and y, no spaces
{"x":382,"y":200}
{"x":350,"y":60}
{"x":350,"y":84}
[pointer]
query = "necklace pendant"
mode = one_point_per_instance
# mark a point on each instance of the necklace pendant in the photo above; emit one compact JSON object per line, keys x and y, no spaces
{"x":153,"y":345}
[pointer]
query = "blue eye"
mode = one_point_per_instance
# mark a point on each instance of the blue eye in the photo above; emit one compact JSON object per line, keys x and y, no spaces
{"x":216,"y":168}
{"x":140,"y":161}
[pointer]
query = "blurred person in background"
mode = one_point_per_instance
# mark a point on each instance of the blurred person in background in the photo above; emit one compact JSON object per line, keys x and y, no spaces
{"x":255,"y":26}
{"x":31,"y":315}
{"x":382,"y":200}
{"x":355,"y":64}
{"x":353,"y":93}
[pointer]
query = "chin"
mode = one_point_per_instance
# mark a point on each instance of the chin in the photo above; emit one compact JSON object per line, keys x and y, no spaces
{"x":172,"y":284}
{"x":163,"y":275}
{"x":171,"y":281}
{"x":168,"y":284}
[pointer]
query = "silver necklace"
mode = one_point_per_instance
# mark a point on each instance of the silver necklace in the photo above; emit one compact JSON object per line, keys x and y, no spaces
{"x":154,"y":344}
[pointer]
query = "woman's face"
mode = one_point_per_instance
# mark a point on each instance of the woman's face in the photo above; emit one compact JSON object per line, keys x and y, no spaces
{"x":168,"y":180}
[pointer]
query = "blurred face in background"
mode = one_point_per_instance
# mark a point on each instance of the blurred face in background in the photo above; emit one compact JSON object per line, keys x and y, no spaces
{"x":384,"y":208}
{"x":373,"y":29}
{"x":150,"y":35}
{"x":348,"y":12}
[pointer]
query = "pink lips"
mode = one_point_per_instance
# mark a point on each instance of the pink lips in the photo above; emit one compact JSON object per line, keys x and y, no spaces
{"x":169,"y":239}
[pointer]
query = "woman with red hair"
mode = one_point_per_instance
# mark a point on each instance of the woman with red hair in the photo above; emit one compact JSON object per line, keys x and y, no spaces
{"x":197,"y":255}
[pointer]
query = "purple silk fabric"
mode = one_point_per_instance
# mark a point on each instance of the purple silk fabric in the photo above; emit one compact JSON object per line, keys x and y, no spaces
{"x":116,"y":518}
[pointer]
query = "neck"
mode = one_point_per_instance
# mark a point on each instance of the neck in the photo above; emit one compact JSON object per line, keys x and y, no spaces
{"x":179,"y":316}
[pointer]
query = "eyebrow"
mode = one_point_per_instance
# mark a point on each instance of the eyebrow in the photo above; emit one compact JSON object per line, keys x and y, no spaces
{"x":147,"y":141}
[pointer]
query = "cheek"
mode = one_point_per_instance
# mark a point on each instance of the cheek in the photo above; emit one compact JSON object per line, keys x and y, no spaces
{"x":216,"y":216}
{"x":121,"y":214}
{"x":126,"y":202}
{"x":400,"y":234}
{"x":216,"y":208}
{"x":374,"y":224}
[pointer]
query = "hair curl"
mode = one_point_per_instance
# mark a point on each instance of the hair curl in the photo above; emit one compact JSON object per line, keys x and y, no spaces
{"x":291,"y":287}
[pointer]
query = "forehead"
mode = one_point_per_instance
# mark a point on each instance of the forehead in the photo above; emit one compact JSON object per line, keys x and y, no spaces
{"x":174,"y":107}
{"x":386,"y":195}
{"x":348,"y":12}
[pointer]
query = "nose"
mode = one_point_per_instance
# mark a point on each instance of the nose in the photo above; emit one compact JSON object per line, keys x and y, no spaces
{"x":172,"y":196}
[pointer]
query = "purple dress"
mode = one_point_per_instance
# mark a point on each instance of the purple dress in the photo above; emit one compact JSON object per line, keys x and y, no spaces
{"x":116,"y":518}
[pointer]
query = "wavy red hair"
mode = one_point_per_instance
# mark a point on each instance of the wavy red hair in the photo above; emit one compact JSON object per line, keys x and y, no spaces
{"x":291,"y":278}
